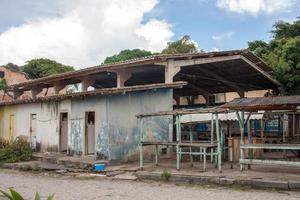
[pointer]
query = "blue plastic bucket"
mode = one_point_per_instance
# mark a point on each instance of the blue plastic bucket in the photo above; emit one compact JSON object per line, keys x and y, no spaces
{"x":100,"y":167}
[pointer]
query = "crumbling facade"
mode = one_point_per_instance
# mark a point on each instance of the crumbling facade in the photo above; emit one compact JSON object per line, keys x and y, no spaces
{"x":101,"y":119}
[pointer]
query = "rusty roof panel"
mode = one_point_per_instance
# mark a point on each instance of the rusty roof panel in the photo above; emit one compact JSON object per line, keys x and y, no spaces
{"x":264,"y":103}
{"x":150,"y":60}
{"x":98,"y":92}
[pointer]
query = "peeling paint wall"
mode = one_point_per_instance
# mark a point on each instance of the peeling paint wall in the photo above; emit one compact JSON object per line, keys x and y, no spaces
{"x":123,"y":130}
{"x":116,"y":129}
{"x":47,"y":122}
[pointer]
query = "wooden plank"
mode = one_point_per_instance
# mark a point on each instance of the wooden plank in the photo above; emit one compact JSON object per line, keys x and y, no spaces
{"x":148,"y":143}
{"x":271,"y":146}
{"x":207,"y":145}
{"x":269,"y":162}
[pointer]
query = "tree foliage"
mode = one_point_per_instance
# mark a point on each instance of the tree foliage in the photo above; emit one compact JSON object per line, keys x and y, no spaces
{"x":282,"y":53}
{"x":42,"y":67}
{"x":3,"y":87}
{"x":3,"y":84}
{"x":183,"y":45}
{"x":12,"y":67}
{"x":127,"y":54}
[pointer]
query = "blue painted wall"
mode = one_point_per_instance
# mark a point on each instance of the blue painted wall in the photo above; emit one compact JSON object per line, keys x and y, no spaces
{"x":116,"y":129}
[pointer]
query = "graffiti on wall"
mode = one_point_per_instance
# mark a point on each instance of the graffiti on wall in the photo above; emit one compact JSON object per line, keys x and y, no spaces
{"x":102,"y":137}
{"x":156,"y":128}
{"x":76,"y":136}
{"x":123,"y":141}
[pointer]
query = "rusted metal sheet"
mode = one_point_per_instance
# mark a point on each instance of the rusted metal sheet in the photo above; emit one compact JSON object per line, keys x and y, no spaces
{"x":151,"y":60}
{"x":97,"y":92}
{"x":264,"y":103}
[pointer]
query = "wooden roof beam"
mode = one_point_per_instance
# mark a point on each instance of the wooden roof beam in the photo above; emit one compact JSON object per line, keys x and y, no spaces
{"x":231,"y":84}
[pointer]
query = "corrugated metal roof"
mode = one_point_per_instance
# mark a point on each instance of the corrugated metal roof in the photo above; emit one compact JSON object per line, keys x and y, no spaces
{"x":98,"y":92}
{"x":206,"y":117}
{"x":264,"y":103}
{"x":144,"y":61}
{"x":184,"y":112}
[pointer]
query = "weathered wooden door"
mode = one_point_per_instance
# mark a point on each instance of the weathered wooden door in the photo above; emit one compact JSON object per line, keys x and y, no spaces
{"x":90,"y":132}
{"x":63,"y":135}
{"x":33,"y":131}
{"x":11,"y":128}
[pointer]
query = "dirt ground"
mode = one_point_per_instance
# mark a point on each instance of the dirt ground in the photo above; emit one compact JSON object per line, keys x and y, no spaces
{"x":66,"y":188}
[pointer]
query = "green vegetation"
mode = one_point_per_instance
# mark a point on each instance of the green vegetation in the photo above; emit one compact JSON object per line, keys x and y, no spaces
{"x":282,"y":53}
{"x":166,"y":175}
{"x":13,"y":195}
{"x":37,"y":68}
{"x":183,"y":45}
{"x":12,"y":67}
{"x":127,"y":54}
{"x":18,"y":150}
{"x":42,"y":67}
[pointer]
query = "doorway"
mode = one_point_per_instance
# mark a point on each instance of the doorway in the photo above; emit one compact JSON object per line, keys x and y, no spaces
{"x":11,"y":128}
{"x":89,"y":133}
{"x":33,"y":131}
{"x":63,"y":132}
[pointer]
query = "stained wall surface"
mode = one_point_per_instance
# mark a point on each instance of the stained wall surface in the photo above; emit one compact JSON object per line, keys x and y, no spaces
{"x":116,"y":128}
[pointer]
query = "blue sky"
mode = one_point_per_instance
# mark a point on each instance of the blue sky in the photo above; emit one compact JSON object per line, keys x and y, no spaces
{"x":82,"y":33}
{"x":204,"y":19}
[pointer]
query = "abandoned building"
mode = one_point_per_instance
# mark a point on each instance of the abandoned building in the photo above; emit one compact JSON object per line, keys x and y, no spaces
{"x":101,"y":119}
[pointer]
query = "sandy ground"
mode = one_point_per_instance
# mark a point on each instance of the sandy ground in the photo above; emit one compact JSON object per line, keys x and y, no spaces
{"x":66,"y":188}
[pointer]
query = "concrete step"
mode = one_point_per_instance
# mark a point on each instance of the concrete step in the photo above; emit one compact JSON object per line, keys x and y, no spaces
{"x":75,"y":162}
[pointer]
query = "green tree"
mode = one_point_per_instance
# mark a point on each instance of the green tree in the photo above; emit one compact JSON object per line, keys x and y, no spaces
{"x":3,"y":87}
{"x":183,"y":45}
{"x":42,"y":67}
{"x":12,"y":67}
{"x":282,"y":53}
{"x":127,"y":54}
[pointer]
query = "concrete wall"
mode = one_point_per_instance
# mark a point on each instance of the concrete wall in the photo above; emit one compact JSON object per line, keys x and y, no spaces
{"x":47,"y":122}
{"x":116,"y":128}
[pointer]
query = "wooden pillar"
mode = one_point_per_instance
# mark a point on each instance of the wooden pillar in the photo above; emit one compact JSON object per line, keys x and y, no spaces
{"x":140,"y":123}
{"x":262,"y":130}
{"x":191,"y":140}
{"x":250,"y":151}
{"x":212,"y":137}
{"x":177,"y":145}
{"x":241,"y":118}
{"x":218,"y":143}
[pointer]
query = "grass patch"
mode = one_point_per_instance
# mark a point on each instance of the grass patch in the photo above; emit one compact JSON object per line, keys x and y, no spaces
{"x":166,"y":175}
{"x":18,"y":150}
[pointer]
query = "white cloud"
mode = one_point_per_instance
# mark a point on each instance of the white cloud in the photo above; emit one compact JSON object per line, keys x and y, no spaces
{"x":85,"y":33}
{"x":215,"y":49}
{"x":223,"y":36}
{"x":254,"y":7}
{"x":156,"y":33}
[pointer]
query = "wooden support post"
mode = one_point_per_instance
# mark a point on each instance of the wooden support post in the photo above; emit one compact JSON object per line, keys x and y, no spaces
{"x":294,"y":125}
{"x":177,"y":145}
{"x":140,"y":122}
{"x":262,"y":127}
{"x":212,"y":137}
{"x":191,"y":140}
{"x":219,"y":143}
{"x":223,"y":142}
{"x":204,"y":159}
{"x":156,"y":155}
{"x":250,"y":151}
{"x":230,"y":143}
{"x":241,"y":122}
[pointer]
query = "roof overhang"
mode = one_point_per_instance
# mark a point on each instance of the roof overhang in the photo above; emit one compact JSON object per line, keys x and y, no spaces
{"x":286,"y":103}
{"x":98,"y":92}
